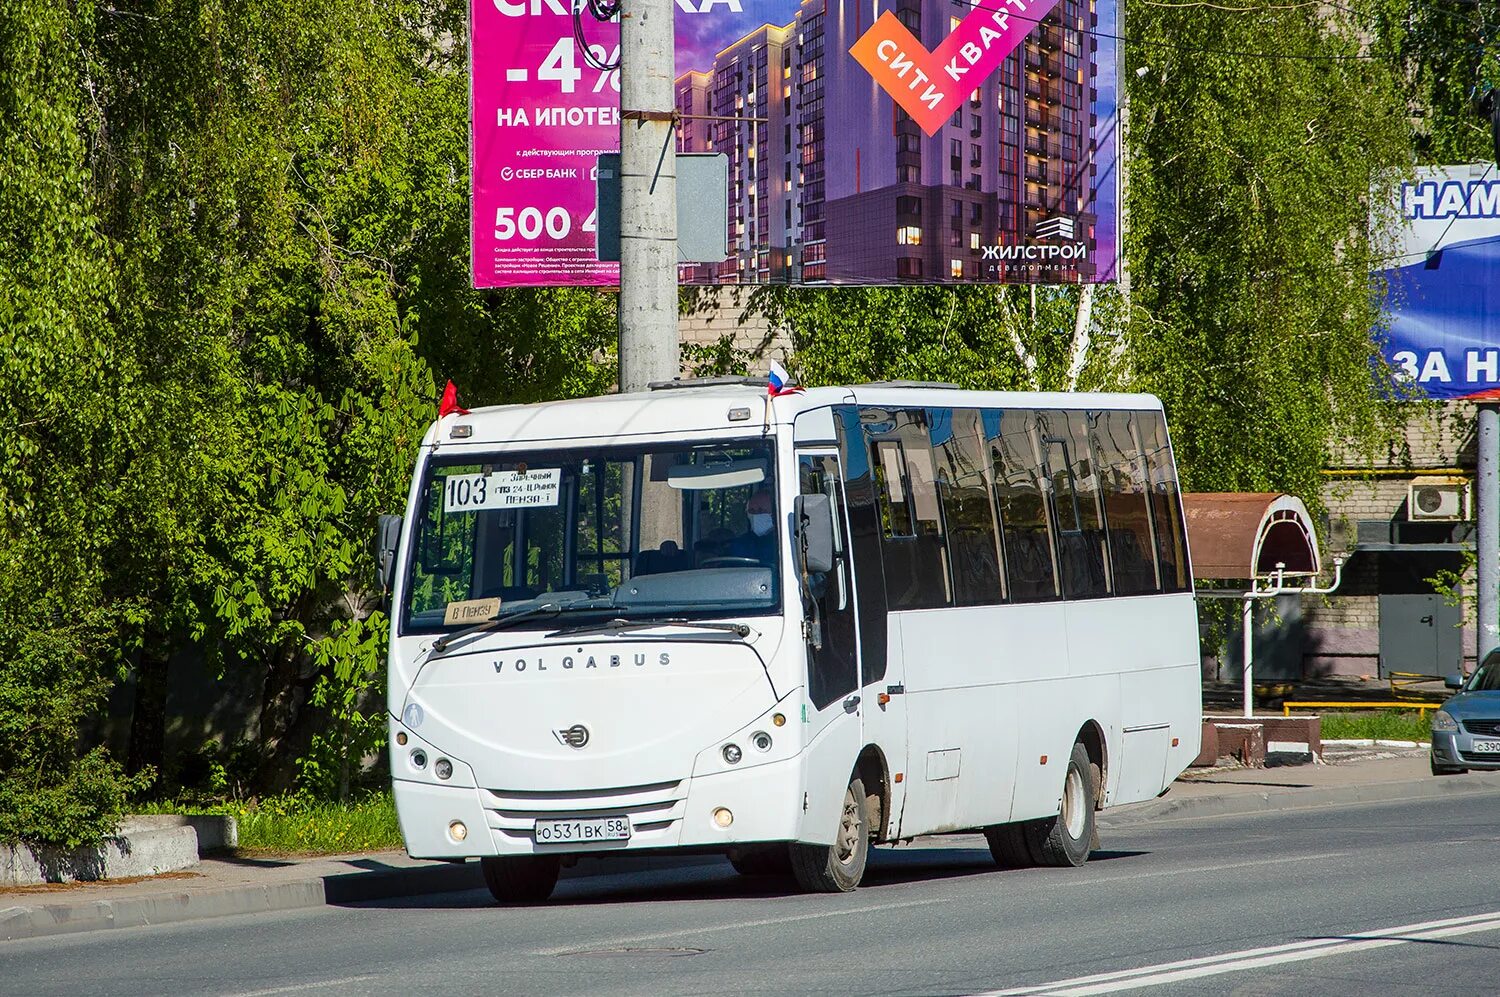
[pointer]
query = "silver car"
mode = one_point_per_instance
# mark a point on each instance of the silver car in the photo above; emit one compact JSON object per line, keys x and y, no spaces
{"x":1466,"y":731}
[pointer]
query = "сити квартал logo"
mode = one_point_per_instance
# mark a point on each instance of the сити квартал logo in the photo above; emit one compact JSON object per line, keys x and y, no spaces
{"x":930,"y":85}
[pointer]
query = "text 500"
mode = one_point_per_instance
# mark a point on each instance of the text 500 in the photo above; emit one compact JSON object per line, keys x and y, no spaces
{"x":530,"y":223}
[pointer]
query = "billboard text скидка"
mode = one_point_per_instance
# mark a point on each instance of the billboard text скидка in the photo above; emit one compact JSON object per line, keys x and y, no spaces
{"x":873,"y":142}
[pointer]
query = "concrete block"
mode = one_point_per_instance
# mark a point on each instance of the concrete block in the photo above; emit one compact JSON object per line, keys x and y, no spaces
{"x":1245,"y":741}
{"x":1208,"y":752}
{"x":147,"y":849}
{"x":1303,"y":730}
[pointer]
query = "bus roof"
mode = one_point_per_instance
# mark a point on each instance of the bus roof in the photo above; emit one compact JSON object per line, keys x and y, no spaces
{"x":689,"y":408}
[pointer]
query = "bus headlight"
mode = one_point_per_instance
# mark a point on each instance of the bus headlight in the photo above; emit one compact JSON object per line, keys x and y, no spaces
{"x":761,"y":741}
{"x":442,"y":768}
{"x":733,"y":754}
{"x":419,"y":758}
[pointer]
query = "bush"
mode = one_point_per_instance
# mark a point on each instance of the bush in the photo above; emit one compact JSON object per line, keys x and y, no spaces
{"x":50,"y":685}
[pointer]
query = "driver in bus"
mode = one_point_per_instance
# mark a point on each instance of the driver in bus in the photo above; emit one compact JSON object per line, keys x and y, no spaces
{"x":758,"y":542}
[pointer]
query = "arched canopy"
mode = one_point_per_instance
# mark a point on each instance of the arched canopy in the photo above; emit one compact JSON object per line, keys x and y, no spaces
{"x":1237,"y":536}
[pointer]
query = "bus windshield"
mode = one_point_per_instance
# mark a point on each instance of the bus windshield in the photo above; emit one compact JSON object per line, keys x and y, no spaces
{"x":661,"y":531}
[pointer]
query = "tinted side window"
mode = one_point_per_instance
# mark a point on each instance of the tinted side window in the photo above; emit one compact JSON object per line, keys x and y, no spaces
{"x":1127,"y":510}
{"x":864,"y":542}
{"x":1021,"y":498}
{"x":893,"y":489}
{"x":916,"y":562}
{"x":1166,"y":504}
{"x":1081,"y":542}
{"x":964,"y":491}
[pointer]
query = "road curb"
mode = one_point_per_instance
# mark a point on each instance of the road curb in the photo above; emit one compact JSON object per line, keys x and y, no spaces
{"x":1186,"y":807}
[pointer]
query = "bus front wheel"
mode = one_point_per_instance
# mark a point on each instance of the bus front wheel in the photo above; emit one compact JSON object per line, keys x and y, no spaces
{"x":837,"y":868}
{"x":520,"y":879}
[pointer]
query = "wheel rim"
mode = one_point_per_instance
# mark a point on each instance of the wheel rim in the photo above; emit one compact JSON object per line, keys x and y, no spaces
{"x":849,"y":827}
{"x":1074,"y":807}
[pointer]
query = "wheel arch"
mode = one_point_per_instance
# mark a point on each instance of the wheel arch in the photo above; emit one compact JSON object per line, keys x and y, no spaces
{"x":1092,"y":737}
{"x":873,"y":771}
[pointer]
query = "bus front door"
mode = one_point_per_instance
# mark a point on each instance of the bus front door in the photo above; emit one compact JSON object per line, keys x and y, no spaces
{"x":856,"y":711}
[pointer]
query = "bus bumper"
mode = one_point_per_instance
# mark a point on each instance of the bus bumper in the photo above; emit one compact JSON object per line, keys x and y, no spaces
{"x":721,"y":809}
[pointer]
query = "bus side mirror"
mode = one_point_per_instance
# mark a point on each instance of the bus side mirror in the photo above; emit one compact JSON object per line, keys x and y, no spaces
{"x":387,"y":539}
{"x":814,"y":517}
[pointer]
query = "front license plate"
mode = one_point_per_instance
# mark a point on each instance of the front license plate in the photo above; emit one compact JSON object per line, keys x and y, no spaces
{"x":1486,"y":748}
{"x":569,"y":832}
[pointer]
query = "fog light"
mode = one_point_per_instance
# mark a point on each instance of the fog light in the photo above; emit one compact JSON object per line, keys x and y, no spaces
{"x":413,"y":715}
{"x":732,"y":755}
{"x":458,"y":831}
{"x":778,"y":719}
{"x":400,"y":737}
{"x":419,"y":758}
{"x":442,"y":768}
{"x":723,"y":817}
{"x":761,"y":740}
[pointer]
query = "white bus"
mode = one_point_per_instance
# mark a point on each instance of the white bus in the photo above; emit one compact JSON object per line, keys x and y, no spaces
{"x":785,"y":629}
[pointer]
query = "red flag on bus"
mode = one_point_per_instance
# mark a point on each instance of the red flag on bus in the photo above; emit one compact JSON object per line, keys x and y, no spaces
{"x":449,"y":405}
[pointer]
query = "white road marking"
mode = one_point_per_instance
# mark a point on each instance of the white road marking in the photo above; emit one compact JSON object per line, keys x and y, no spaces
{"x":296,"y":987}
{"x":1274,"y":955}
{"x":609,"y":943}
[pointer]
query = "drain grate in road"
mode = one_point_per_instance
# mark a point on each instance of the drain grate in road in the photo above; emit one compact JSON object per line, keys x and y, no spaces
{"x":662,"y":953}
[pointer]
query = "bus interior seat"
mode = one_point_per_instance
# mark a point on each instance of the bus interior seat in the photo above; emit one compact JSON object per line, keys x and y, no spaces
{"x":667,"y":557}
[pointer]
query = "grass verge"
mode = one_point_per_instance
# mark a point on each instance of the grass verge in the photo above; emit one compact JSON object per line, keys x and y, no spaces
{"x":291,"y":825}
{"x":1385,"y":725}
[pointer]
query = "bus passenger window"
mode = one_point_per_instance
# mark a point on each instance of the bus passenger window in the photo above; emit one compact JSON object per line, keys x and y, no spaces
{"x":892,"y":490}
{"x":1081,"y":539}
{"x":1127,"y":511}
{"x":1021,"y":500}
{"x":1166,"y":506}
{"x":964,"y":481}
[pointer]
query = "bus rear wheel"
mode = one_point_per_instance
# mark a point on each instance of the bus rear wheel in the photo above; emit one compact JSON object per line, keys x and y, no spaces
{"x":1064,"y":840}
{"x":520,"y":879}
{"x":837,"y":868}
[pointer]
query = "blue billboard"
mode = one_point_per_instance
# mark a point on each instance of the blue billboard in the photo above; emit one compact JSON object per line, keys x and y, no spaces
{"x":1444,"y":298}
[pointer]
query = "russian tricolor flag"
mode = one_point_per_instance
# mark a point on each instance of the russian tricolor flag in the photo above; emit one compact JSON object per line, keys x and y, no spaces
{"x":778,"y":378}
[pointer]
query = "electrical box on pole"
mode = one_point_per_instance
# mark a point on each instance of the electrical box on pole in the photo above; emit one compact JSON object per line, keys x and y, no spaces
{"x":702,"y":207}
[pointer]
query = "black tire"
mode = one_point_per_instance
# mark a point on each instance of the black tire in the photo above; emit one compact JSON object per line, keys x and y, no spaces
{"x":520,"y":879}
{"x":762,"y":860}
{"x":837,"y":868}
{"x":1443,"y":769}
{"x":1064,"y":840}
{"x":1009,"y":846}
{"x":1067,"y":839}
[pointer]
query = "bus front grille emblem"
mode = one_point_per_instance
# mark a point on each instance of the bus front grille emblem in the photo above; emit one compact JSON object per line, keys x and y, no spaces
{"x":575,"y":736}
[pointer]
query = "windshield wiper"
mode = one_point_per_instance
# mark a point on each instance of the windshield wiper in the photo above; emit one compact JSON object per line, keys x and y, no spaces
{"x":617,"y":625}
{"x":496,"y":623}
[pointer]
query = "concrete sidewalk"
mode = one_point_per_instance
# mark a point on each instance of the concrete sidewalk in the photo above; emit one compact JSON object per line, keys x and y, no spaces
{"x":226,"y":886}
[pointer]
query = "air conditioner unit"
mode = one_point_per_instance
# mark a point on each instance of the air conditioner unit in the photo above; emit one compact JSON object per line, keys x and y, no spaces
{"x":1429,"y":499}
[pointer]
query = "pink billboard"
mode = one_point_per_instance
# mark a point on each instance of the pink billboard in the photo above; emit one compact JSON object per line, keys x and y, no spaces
{"x":868,"y":141}
{"x":540,"y":114}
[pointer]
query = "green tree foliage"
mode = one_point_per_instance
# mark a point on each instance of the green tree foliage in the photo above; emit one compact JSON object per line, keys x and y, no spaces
{"x":233,"y":276}
{"x":61,"y":414}
{"x":1448,"y":56}
{"x":1254,"y":181}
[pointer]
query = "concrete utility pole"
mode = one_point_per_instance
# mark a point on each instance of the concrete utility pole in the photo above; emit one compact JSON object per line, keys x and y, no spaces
{"x":1487,"y":513}
{"x":648,"y":196}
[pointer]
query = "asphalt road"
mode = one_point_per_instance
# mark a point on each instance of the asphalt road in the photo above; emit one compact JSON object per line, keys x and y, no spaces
{"x":1399,"y":898}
